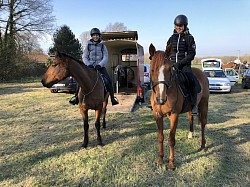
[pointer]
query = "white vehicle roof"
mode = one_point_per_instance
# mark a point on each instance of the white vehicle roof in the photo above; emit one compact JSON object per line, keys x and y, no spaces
{"x":211,"y":63}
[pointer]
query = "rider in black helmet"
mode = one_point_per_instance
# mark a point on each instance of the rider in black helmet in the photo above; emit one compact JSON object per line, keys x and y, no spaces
{"x":183,"y":52}
{"x":96,"y":56}
{"x":181,"y":20}
{"x":95,"y":31}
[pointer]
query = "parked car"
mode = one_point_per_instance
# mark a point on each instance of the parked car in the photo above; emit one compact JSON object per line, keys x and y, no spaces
{"x":211,"y":63}
{"x":232,"y":75}
{"x":69,"y":84}
{"x":147,"y":79}
{"x":246,"y":79}
{"x":218,"y":81}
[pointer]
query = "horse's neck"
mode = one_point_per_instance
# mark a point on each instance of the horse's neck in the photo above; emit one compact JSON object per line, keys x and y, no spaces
{"x":82,"y":74}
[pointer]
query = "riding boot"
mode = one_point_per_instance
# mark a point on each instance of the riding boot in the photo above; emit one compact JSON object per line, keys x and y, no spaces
{"x":114,"y":100}
{"x":75,"y":100}
{"x":193,"y":95}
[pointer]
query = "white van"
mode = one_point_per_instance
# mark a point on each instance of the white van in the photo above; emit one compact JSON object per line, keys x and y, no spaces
{"x":232,"y":75}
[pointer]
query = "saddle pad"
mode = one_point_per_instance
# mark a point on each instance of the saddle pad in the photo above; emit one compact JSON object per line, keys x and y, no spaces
{"x":184,"y":82}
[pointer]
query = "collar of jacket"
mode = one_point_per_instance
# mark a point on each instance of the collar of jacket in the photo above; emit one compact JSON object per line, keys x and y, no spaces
{"x":182,"y":33}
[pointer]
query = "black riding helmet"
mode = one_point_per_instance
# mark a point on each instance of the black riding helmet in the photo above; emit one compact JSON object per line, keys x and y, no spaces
{"x":95,"y":31}
{"x":181,"y":20}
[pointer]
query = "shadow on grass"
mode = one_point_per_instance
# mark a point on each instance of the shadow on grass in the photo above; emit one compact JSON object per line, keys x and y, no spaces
{"x":138,"y":124}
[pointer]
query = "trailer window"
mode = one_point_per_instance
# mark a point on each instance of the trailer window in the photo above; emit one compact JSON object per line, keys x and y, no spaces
{"x":129,"y":57}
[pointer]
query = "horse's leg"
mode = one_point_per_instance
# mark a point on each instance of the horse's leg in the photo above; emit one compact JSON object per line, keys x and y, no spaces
{"x":191,"y":125}
{"x":203,"y":122}
{"x":159,"y":122}
{"x":98,"y":125}
{"x":104,"y":110}
{"x":85,"y":117}
{"x":171,"y":140}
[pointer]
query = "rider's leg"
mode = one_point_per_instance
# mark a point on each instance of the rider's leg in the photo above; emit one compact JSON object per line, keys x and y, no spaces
{"x":193,"y":94}
{"x":109,"y":86}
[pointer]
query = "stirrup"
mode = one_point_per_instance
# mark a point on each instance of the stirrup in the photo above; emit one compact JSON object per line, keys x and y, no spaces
{"x":114,"y":101}
{"x":74,"y":100}
{"x":194,"y":111}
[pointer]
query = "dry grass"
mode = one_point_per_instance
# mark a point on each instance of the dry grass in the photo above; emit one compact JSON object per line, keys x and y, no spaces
{"x":40,"y":135}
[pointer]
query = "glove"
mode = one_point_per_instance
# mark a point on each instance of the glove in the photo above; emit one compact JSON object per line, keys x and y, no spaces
{"x":97,"y":67}
{"x":90,"y":66}
{"x":176,"y":66}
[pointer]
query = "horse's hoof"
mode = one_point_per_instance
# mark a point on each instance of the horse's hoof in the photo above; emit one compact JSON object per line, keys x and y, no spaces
{"x":170,"y":167}
{"x":101,"y":144}
{"x":190,"y":135}
{"x":83,"y":146}
{"x":159,"y":162}
{"x":204,"y":149}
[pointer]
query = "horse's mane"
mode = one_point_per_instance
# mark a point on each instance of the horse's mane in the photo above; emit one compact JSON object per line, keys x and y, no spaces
{"x":79,"y":61}
{"x":159,"y":57}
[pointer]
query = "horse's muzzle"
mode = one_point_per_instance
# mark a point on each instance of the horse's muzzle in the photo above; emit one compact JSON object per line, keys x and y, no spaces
{"x":161,"y":101}
{"x":46,"y":84}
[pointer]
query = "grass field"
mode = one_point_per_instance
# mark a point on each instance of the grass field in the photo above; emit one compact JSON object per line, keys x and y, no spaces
{"x":40,"y":135}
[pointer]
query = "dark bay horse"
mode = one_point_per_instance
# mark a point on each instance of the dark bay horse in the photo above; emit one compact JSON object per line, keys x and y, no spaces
{"x":167,"y":100}
{"x":91,"y":94}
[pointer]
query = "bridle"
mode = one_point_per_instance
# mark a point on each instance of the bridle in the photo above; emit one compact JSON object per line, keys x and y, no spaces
{"x":168,"y":85}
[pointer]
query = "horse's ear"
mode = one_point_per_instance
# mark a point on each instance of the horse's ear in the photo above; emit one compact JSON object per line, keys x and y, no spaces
{"x":168,"y":50}
{"x":151,"y":50}
{"x":58,"y":54}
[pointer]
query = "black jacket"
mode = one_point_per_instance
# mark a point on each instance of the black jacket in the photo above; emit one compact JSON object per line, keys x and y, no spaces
{"x":183,"y":49}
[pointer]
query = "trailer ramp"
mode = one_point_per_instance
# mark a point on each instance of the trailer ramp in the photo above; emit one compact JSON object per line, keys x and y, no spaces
{"x":127,"y":99}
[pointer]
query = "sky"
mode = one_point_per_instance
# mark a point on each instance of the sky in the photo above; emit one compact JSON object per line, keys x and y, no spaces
{"x":219,"y":27}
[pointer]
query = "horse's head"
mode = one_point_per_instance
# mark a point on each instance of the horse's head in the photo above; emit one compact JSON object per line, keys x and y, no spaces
{"x":57,"y":71}
{"x":161,"y":73}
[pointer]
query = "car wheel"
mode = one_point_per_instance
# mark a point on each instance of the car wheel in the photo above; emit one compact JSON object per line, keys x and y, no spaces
{"x":54,"y":91}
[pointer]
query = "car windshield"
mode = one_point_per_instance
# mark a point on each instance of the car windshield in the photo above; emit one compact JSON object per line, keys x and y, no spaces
{"x":211,"y":63}
{"x":215,"y":73}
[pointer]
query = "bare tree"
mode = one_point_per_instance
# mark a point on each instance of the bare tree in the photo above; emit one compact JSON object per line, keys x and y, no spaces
{"x":18,"y":19}
{"x":84,"y":37}
{"x":117,"y":26}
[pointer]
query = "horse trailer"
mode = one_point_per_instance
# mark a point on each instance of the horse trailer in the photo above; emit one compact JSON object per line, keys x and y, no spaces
{"x":125,"y":63}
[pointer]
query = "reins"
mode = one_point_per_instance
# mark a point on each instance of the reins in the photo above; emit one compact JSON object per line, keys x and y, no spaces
{"x":84,"y":95}
{"x":168,"y":86}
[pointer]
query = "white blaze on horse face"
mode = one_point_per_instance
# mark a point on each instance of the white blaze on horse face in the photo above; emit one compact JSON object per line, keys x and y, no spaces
{"x":161,"y":78}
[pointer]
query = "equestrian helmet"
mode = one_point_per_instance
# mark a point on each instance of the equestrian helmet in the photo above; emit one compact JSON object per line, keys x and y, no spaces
{"x":181,"y":20}
{"x":95,"y":31}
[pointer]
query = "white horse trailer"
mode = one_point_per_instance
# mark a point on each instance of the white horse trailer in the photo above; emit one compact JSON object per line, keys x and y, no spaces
{"x":125,"y":63}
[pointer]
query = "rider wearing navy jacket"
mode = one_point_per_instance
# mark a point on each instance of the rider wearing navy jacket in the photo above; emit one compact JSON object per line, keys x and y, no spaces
{"x":183,"y":52}
{"x":96,"y":56}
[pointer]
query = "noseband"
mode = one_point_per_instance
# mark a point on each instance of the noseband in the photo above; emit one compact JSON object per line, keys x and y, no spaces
{"x":168,"y":85}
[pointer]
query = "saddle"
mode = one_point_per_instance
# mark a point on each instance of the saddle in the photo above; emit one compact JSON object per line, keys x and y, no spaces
{"x":105,"y":81}
{"x":184,"y":83}
{"x":184,"y":86}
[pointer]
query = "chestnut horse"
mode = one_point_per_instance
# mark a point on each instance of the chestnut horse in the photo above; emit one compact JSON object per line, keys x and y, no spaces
{"x":167,"y":100}
{"x":91,"y":94}
{"x":228,"y":65}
